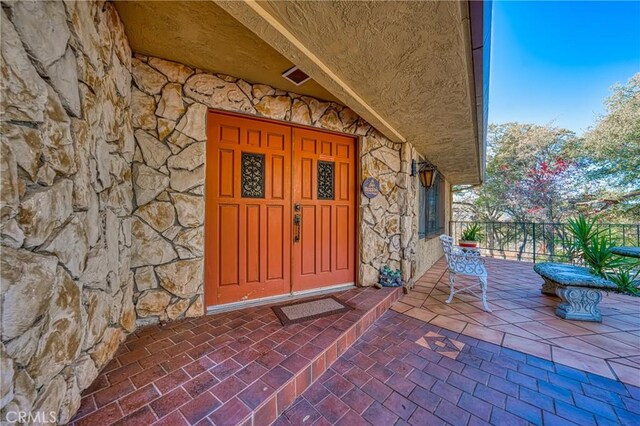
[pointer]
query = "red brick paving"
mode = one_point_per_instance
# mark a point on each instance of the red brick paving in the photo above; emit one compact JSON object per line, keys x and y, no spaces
{"x":240,"y":367}
{"x":481,"y":384}
{"x":243,"y":367}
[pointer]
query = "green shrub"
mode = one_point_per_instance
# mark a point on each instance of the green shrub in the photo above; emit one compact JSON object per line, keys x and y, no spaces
{"x":625,"y":280}
{"x":583,"y":232}
{"x":472,"y":233}
{"x":595,"y":250}
{"x":600,"y":259}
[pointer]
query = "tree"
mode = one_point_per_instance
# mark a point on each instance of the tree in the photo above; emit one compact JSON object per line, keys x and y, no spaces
{"x":546,"y":174}
{"x":613,"y":144}
{"x":528,"y":177}
{"x":612,"y":151}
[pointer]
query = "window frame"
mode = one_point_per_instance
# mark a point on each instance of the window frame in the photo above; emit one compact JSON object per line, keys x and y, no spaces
{"x":427,"y":197}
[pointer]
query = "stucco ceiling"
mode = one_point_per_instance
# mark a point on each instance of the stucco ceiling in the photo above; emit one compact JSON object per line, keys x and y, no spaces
{"x":202,"y":35}
{"x":405,"y":67}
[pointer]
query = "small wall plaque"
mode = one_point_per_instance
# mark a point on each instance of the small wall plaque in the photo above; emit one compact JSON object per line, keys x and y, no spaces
{"x":370,"y":187}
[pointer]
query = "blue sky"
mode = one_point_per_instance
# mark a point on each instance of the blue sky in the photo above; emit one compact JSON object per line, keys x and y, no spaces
{"x":556,"y":61}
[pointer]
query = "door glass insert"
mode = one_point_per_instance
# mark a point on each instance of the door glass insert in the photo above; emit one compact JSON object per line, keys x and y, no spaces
{"x":252,"y":175}
{"x":326,"y":177}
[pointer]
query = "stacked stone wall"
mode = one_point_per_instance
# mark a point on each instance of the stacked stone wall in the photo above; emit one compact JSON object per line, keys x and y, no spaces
{"x":170,"y":103}
{"x":102,"y":197}
{"x":66,"y":201}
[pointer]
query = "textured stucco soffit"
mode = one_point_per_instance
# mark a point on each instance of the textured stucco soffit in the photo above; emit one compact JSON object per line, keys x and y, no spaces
{"x":202,"y":35}
{"x":406,"y":67}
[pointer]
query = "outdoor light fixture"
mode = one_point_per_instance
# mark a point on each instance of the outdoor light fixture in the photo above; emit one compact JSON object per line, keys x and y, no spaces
{"x":426,"y":173}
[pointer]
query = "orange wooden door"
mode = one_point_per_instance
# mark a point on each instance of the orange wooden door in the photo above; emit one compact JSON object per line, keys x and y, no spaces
{"x":324,"y":191}
{"x":248,"y":209}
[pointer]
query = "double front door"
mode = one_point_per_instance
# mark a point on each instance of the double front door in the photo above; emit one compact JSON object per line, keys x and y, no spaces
{"x":280,"y":209}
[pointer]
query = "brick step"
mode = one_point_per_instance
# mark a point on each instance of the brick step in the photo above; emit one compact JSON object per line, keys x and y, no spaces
{"x":240,"y":367}
{"x":311,"y":370}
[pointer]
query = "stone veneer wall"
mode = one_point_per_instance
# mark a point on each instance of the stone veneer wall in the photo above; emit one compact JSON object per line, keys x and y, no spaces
{"x":102,"y":206}
{"x":169,"y":104}
{"x":65,"y":203}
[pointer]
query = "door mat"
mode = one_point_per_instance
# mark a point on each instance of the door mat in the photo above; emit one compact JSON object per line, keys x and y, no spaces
{"x":310,"y":309}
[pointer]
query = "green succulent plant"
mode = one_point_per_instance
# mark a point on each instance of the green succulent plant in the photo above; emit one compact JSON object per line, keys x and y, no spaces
{"x":599,"y":257}
{"x":595,"y":249}
{"x":583,"y":231}
{"x":472,"y":233}
{"x":626,"y":281}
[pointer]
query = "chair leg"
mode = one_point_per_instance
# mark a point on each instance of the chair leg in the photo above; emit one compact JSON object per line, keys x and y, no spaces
{"x":452,"y":278}
{"x":483,"y":284}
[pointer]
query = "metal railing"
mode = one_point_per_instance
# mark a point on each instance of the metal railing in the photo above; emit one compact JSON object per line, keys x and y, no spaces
{"x":537,"y":242}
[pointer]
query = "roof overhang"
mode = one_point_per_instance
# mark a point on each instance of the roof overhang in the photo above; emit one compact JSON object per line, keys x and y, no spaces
{"x":480,"y":16}
{"x":414,"y":70}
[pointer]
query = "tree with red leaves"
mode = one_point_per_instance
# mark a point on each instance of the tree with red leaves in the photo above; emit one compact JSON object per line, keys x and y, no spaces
{"x":530,"y":175}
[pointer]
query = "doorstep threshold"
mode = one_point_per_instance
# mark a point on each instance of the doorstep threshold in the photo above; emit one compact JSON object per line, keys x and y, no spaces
{"x":216,"y":309}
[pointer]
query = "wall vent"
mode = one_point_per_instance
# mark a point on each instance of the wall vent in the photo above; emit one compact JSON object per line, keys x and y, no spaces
{"x":296,"y":76}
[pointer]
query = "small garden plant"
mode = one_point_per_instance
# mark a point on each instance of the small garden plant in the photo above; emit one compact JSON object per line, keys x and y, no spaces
{"x":390,"y":277}
{"x":472,"y":233}
{"x":595,"y":250}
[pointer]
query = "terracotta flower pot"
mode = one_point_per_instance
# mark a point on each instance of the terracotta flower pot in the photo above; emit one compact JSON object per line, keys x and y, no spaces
{"x":468,"y":244}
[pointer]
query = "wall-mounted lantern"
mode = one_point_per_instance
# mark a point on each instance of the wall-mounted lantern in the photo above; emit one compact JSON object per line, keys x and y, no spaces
{"x":427,"y":172}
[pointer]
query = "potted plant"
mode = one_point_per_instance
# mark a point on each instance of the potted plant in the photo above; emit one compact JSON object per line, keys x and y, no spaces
{"x":471,"y":236}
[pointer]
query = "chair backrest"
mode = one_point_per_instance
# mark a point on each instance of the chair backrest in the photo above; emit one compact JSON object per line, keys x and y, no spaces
{"x":447,"y":248}
{"x":467,"y":262}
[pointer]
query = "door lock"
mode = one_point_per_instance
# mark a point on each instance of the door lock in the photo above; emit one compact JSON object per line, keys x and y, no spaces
{"x":296,"y":207}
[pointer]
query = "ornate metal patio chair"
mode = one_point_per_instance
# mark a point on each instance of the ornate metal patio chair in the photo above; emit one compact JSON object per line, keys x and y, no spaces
{"x":464,"y":262}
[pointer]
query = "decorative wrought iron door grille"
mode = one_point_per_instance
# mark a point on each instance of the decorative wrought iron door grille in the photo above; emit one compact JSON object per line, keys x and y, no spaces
{"x":252,"y":175}
{"x":326,"y":178}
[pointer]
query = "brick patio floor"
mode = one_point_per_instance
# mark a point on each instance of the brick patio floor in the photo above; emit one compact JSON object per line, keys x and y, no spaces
{"x":524,"y":319}
{"x":432,"y":364}
{"x":405,"y":371}
{"x":240,"y":367}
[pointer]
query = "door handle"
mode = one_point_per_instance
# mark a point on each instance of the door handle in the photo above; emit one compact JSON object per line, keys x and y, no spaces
{"x":296,"y":223}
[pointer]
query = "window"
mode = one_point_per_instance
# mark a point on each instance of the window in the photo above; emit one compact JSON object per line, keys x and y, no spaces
{"x":431,"y":208}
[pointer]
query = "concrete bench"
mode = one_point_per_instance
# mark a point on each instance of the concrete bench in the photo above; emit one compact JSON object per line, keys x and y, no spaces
{"x":578,"y":288}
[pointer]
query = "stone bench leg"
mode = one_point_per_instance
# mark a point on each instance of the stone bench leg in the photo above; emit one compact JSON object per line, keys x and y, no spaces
{"x":579,"y":304}
{"x":549,"y":287}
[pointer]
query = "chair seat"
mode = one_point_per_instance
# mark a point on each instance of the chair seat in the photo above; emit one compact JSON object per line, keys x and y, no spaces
{"x":465,"y":262}
{"x":477,"y":270}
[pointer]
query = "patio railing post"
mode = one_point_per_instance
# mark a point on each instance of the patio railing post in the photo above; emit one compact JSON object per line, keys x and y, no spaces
{"x":534,"y":242}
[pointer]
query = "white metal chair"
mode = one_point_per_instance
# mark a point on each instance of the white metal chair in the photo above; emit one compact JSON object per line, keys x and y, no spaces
{"x":464,"y":262}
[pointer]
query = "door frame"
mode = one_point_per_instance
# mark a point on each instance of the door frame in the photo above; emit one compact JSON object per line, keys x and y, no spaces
{"x":357,"y":216}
